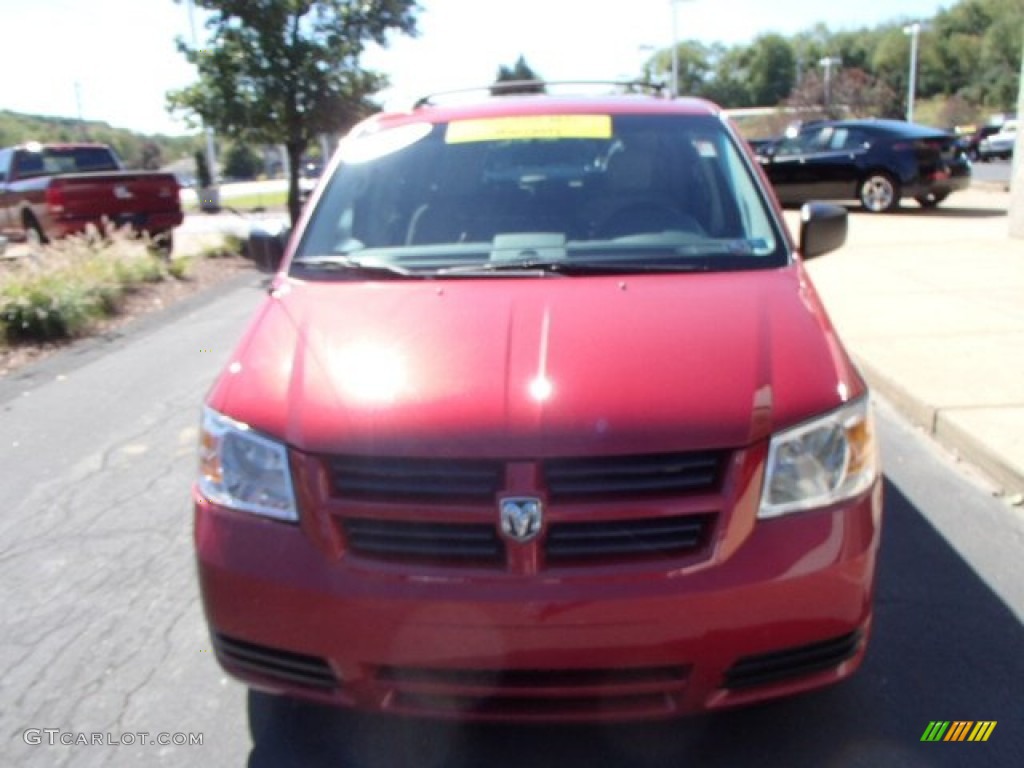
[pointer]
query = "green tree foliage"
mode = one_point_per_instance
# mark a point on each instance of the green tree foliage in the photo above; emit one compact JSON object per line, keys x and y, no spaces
{"x":519,"y":72}
{"x":695,"y":61}
{"x":152,"y":156}
{"x":135,"y":150}
{"x":242,"y":162}
{"x":969,"y":53}
{"x":284,"y":71}
{"x":771,"y":69}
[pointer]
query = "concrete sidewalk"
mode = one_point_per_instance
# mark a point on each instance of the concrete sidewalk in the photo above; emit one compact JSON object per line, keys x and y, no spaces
{"x":931,"y":304}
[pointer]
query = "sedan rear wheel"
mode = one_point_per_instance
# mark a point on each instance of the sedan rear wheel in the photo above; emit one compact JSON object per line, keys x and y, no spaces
{"x":879,"y":193}
{"x":932,"y":199}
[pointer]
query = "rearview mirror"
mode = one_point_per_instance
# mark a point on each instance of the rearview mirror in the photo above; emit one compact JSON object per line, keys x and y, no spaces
{"x":823,"y":228}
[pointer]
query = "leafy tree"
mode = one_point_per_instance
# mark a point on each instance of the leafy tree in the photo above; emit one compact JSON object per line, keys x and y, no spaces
{"x":242,"y":162}
{"x":771,"y":67}
{"x":694,"y":62}
{"x":284,"y":71}
{"x":853,"y":93}
{"x":151,"y":157}
{"x":728,"y":83}
{"x":519,"y":72}
{"x":971,"y":51}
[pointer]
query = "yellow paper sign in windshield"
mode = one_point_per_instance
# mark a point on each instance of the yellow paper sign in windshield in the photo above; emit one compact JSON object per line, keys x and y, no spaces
{"x":524,"y":127}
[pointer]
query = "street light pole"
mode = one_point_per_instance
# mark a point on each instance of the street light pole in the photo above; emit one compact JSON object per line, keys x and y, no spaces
{"x":211,"y":150}
{"x":828,"y":62}
{"x":675,"y":48}
{"x":1017,"y":169}
{"x":914,"y":30}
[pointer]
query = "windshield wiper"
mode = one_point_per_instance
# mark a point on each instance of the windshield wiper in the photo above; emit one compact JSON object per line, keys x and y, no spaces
{"x":568,"y":267}
{"x":354,"y":267}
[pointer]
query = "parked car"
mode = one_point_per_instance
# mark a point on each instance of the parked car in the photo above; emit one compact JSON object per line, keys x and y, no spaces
{"x":48,"y":191}
{"x":309,"y":177}
{"x":542,"y":419}
{"x":1000,"y":144}
{"x":877,"y":162}
{"x":970,"y":141}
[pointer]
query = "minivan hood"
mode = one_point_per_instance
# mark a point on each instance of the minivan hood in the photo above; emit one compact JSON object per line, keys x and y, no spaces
{"x":537,"y":367}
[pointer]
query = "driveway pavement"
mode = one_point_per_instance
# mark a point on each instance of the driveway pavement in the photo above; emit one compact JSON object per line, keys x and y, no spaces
{"x":931,"y":304}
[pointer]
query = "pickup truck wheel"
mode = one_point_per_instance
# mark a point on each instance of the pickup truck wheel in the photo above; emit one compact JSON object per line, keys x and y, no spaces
{"x":162,"y":244}
{"x":33,"y":232}
{"x":879,"y":192}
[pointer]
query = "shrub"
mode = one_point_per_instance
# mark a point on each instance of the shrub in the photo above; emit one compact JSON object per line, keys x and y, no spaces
{"x":59,"y":292}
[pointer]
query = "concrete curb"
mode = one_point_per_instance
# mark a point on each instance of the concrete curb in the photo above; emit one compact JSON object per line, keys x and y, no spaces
{"x":1009,"y":479}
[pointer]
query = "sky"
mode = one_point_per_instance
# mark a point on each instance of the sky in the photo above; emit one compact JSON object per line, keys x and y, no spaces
{"x":113,"y":60}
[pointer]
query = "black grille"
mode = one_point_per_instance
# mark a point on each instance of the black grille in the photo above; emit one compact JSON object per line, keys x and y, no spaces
{"x":537,"y":679}
{"x":450,"y":543}
{"x":631,"y":476}
{"x":530,"y":694}
{"x":535,"y":708}
{"x":663,"y":537}
{"x":404,"y":479}
{"x":295,"y":668}
{"x":803,"y":660}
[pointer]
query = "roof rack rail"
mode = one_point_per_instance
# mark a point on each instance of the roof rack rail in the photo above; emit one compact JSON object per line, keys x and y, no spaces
{"x":512,"y":87}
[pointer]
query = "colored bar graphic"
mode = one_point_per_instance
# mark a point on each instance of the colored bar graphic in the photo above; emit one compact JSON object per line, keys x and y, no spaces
{"x":958,"y":730}
{"x":982,"y":730}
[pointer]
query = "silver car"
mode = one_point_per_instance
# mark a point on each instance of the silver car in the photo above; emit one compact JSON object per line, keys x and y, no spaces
{"x":999,"y":144}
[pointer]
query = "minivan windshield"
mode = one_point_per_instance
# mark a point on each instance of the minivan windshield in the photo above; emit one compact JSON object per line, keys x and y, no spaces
{"x":570,"y":193}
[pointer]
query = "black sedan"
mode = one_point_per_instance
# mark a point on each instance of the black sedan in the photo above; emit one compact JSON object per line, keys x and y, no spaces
{"x":877,"y":162}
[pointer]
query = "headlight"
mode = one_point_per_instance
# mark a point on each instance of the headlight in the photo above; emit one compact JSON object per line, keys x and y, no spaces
{"x":822,"y":462}
{"x":242,"y":470}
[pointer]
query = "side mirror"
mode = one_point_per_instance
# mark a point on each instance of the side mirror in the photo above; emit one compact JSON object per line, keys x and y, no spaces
{"x":267,"y":243}
{"x":823,"y":228}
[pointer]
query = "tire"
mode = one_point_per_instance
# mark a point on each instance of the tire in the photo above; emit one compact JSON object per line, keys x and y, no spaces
{"x":34,"y":234}
{"x":162,"y":244}
{"x":932,"y":199}
{"x":879,"y":192}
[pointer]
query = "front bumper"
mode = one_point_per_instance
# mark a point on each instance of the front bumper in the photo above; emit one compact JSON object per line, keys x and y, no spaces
{"x":785,"y":610}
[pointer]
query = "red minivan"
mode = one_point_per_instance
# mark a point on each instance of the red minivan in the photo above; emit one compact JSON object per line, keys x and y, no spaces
{"x":542,"y":419}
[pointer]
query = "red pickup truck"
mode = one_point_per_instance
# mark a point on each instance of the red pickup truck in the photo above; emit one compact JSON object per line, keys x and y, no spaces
{"x":48,"y":191}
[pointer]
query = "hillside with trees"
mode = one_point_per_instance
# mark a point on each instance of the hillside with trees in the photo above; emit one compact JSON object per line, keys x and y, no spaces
{"x":969,"y":59}
{"x":136,"y":150}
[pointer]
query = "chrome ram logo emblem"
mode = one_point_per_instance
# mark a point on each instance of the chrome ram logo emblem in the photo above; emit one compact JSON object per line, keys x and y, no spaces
{"x":521,"y":518}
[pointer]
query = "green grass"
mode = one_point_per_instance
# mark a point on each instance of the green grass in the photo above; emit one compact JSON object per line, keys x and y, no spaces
{"x":63,"y":289}
{"x":248,"y":202}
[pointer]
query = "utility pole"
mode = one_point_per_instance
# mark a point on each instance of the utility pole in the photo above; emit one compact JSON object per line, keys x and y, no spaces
{"x":675,"y":49}
{"x":78,"y":102}
{"x":828,"y":62}
{"x":1017,"y":169}
{"x":210,"y":199}
{"x":914,"y":30}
